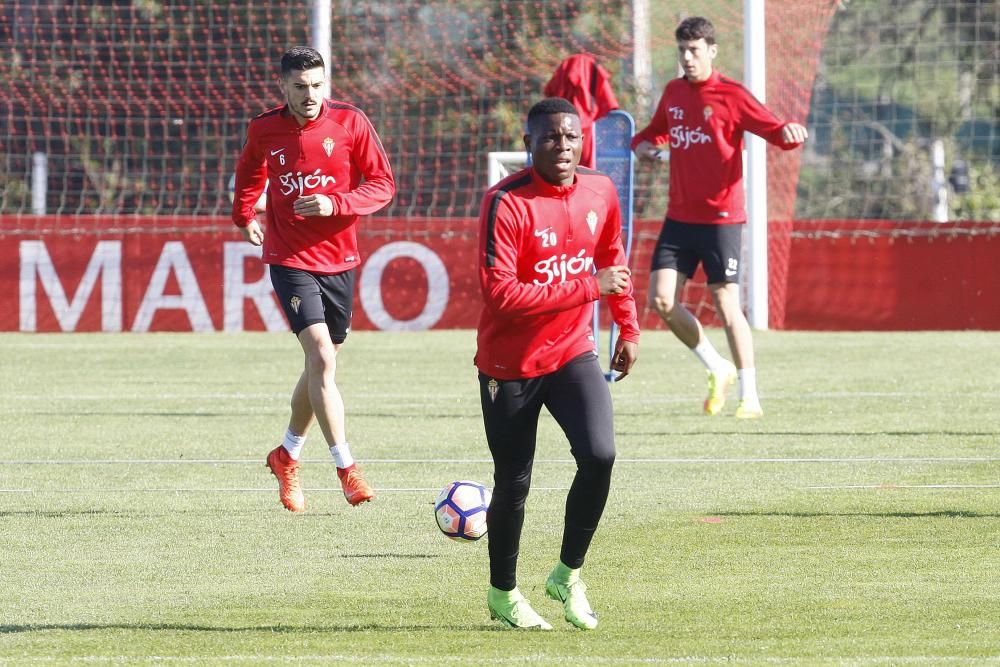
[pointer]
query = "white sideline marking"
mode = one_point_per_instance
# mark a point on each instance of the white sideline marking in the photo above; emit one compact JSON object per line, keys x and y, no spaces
{"x":416,"y":489}
{"x":890,"y":487}
{"x":474,"y":400}
{"x":528,"y":659}
{"x":677,"y":461}
{"x":378,"y":489}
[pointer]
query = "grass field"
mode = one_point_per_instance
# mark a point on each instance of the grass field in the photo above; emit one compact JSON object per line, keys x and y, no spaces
{"x":858,"y":523}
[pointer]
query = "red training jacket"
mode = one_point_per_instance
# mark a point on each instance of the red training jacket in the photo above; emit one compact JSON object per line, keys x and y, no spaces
{"x":704,"y":124}
{"x":538,"y":247}
{"x":581,"y":80}
{"x":337,"y":154}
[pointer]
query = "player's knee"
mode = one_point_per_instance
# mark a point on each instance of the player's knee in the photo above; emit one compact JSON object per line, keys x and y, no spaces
{"x":728,"y":310}
{"x":508,"y":502}
{"x":599,"y":463}
{"x":663,"y":304}
{"x":322,"y":361}
{"x":511,"y":492}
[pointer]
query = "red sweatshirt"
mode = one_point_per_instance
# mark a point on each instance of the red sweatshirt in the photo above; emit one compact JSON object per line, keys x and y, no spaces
{"x":337,"y":154}
{"x":585,"y":83}
{"x":704,"y":124}
{"x":538,"y":247}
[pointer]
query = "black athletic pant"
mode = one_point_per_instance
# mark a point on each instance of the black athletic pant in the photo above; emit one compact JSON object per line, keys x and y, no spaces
{"x":578,"y":398}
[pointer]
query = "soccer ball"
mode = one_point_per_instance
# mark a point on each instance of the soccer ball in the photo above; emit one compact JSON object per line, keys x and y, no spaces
{"x":460,"y":510}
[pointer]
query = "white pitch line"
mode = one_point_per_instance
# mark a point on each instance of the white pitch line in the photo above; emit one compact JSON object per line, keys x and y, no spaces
{"x":473,"y":399}
{"x":252,"y":490}
{"x":389,"y":659}
{"x":667,"y":460}
{"x":832,"y":487}
{"x":890,"y":487}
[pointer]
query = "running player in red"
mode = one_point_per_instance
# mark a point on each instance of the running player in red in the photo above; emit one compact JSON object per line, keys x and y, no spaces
{"x":702,"y":117}
{"x":324,"y":167}
{"x":550,"y":246}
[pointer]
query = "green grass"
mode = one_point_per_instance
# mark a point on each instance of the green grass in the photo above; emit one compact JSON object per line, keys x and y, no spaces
{"x":857,"y":523}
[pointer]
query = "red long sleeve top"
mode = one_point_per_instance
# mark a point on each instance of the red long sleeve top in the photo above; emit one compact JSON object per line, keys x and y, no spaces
{"x":337,"y":154}
{"x":539,"y":245}
{"x":581,"y":80}
{"x":704,"y":122}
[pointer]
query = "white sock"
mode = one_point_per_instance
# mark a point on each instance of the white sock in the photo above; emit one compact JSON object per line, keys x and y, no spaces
{"x":293,"y":444}
{"x":709,"y":356}
{"x":342,"y":455}
{"x":748,"y":385}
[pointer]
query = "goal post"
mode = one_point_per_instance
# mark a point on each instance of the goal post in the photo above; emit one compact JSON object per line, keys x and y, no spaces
{"x":755,"y":288}
{"x":501,"y":164}
{"x":756,"y":275}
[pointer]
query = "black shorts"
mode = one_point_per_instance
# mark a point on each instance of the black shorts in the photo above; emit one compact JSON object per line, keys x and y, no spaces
{"x":310,"y":298}
{"x":682,"y":245}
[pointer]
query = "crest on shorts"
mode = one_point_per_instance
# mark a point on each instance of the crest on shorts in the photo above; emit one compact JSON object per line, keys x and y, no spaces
{"x":295,"y":302}
{"x":493,"y":387}
{"x":592,"y":220}
{"x":328,"y":146}
{"x":707,"y":112}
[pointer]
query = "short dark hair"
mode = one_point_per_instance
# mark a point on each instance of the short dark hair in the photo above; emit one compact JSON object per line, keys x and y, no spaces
{"x":301,"y":58}
{"x":549,"y":106}
{"x":694,"y":28}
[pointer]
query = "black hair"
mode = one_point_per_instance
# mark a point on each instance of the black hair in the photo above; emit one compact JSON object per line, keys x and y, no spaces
{"x":301,"y":58}
{"x":549,"y":106}
{"x":694,"y":28}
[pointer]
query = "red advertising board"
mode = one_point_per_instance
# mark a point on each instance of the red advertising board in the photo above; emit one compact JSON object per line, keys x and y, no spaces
{"x":202,"y":276}
{"x":135,"y":274}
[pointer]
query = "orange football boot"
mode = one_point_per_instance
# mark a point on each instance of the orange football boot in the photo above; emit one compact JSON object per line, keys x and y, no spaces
{"x":287,"y":471}
{"x":356,"y":489}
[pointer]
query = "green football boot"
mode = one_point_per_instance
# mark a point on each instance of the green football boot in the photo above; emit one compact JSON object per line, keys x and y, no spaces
{"x":749,"y":410}
{"x":572,"y":593}
{"x":513,"y":610}
{"x":718,"y":385}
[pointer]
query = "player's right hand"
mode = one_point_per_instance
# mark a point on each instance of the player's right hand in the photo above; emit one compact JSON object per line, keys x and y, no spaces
{"x":613,"y":279}
{"x":647,"y":151}
{"x":253,"y":233}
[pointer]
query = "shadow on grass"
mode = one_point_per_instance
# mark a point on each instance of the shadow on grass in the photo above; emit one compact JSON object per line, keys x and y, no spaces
{"x":941,"y":514}
{"x":114,"y":514}
{"x":409,"y":416}
{"x":236,"y":413}
{"x":769,"y":433}
{"x":389,"y":555}
{"x":145,"y":413}
{"x":270,"y":629}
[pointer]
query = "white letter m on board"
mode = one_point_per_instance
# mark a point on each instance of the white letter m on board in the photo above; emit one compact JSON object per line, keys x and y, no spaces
{"x":106,"y":262}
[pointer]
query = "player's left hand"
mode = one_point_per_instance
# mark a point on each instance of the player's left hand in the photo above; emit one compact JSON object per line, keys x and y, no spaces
{"x":626,"y":354}
{"x":313,"y":205}
{"x":793,"y":133}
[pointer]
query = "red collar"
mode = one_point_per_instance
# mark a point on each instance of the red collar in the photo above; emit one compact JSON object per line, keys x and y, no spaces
{"x":553,"y":190}
{"x":309,"y":123}
{"x":712,"y":78}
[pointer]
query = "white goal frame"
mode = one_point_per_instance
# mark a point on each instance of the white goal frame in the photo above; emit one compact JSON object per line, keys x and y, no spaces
{"x":501,"y":164}
{"x":754,"y":59}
